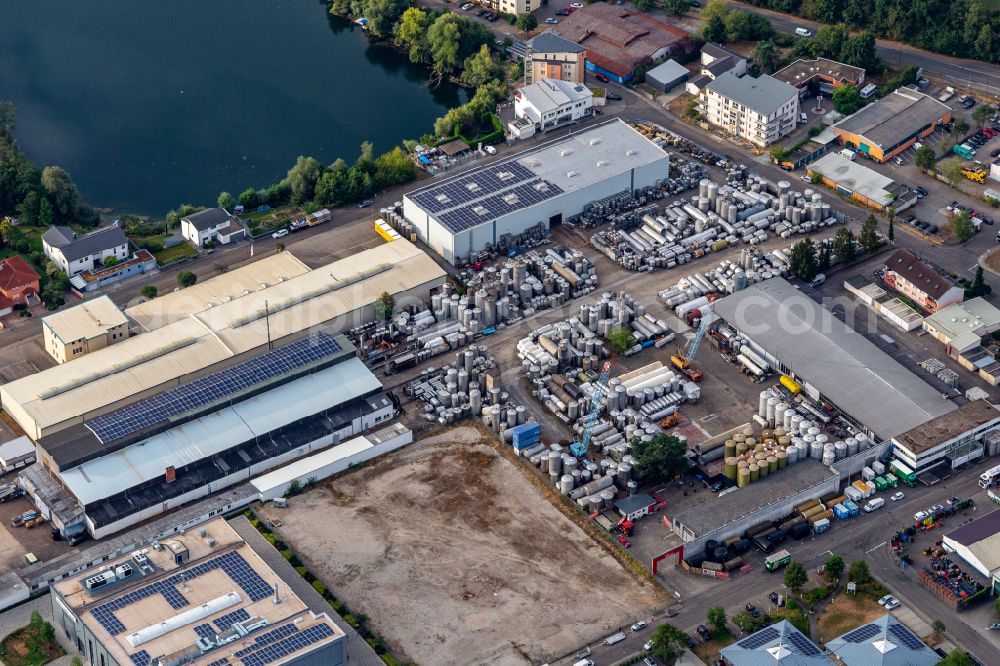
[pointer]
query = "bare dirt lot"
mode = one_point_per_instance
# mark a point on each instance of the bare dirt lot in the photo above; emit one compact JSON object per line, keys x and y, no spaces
{"x":457,"y":559}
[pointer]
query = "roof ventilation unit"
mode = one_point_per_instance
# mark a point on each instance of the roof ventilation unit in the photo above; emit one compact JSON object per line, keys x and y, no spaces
{"x":510,"y":199}
{"x":595,"y":141}
{"x":571,"y":174}
{"x":480,"y":210}
{"x":601,"y":163}
{"x":566,"y":152}
{"x":541,"y":186}
{"x":504,"y":175}
{"x":630,"y":151}
{"x":472,"y":187}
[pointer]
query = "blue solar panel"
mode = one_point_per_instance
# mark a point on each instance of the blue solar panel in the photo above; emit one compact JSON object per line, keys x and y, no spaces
{"x":140,"y":658}
{"x":268,"y":637}
{"x":862,"y":634}
{"x":229,"y":619}
{"x":283,"y":648}
{"x":906,"y":637}
{"x":762,"y":637}
{"x":802,"y":644}
{"x":488,"y":208}
{"x":205,"y":631}
{"x":218,"y":385}
{"x":220,"y":662}
{"x":233,"y":564}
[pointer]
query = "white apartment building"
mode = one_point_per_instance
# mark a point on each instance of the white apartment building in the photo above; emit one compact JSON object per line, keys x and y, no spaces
{"x":760,"y":110}
{"x":74,"y":254}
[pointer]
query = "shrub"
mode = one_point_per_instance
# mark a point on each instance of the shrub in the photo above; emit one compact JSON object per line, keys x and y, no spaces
{"x":270,"y":538}
{"x":351,"y":620}
{"x":790,"y":604}
{"x":818,"y":593}
{"x":319,"y":587}
{"x":287,"y":554}
{"x":302,"y":570}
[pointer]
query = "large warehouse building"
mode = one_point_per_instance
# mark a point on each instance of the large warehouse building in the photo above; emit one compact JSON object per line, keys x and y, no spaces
{"x":955,"y":438}
{"x":545,"y":186}
{"x":978,"y":543}
{"x":193,"y":335}
{"x":204,"y":598}
{"x":830,"y":360}
{"x":188,"y":442}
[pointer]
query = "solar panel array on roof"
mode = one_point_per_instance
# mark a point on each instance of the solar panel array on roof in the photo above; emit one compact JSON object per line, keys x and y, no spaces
{"x":171,"y":403}
{"x":802,"y":644}
{"x":903,"y":635}
{"x":283,"y":648}
{"x":140,"y":658}
{"x":223,"y":622}
{"x":220,"y":662}
{"x":204,"y":631}
{"x":498,"y":205}
{"x":862,"y":634}
{"x":762,"y":637}
{"x":267,"y":638}
{"x":471,"y":186}
{"x":235,"y":566}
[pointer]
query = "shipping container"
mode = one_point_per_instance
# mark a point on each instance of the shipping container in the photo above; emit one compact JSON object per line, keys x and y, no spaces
{"x":863,"y":488}
{"x":878,"y":467}
{"x":853,"y":493}
{"x":840,"y":512}
{"x":891,"y":479}
{"x":881,"y":483}
{"x":821,"y":526}
{"x":777,"y":560}
{"x":903,"y":473}
{"x":852,"y":507}
{"x":868,"y":474}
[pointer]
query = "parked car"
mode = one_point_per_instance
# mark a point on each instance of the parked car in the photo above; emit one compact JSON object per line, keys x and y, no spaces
{"x":615,"y":97}
{"x":704,"y":632}
{"x":647,"y":646}
{"x":969,"y":103}
{"x":883,"y":600}
{"x":921,"y":192}
{"x":919,"y":516}
{"x":933,"y":229}
{"x":576,"y":5}
{"x":648,"y":661}
{"x":936,"y":508}
{"x":896,"y":496}
{"x":365,"y":204}
{"x":952,"y":501}
{"x":953,"y":205}
{"x":562,"y":12}
{"x":752,"y":610}
{"x":551,"y":20}
{"x":490,"y":149}
{"x":892,"y":603}
{"x":600,"y":77}
{"x":280,"y":233}
{"x":639,"y":626}
{"x":774,"y":598}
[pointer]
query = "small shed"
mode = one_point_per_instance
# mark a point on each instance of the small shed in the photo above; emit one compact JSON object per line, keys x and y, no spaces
{"x":453,"y":148}
{"x":16,"y":453}
{"x":635,"y":506}
{"x":667,"y":75}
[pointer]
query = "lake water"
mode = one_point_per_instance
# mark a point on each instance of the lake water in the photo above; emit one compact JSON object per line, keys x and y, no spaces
{"x":150,"y":104}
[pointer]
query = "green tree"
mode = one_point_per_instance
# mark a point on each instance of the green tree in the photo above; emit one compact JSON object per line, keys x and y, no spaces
{"x":795,"y":576}
{"x":981,"y":114}
{"x":186,"y":279}
{"x":382,"y":14}
{"x":676,"y":7}
{"x":962,"y":226}
{"x":669,"y":643}
{"x":828,"y":41}
{"x":149,"y":292}
{"x":925,"y":157}
{"x":996,"y":605}
{"x":76,"y":661}
{"x":716,"y":617}
{"x":859,"y":51}
{"x":385,"y":306}
{"x":834,"y":566}
{"x":777,"y":153}
{"x":802,"y":259}
{"x":938,"y":627}
{"x":824,"y":256}
{"x":248,"y":198}
{"x":960,"y":126}
{"x":765,"y":54}
{"x":6,"y":231}
{"x":226,"y":200}
{"x":844,"y":245}
{"x":8,"y":118}
{"x":644,"y":5}
{"x":978,"y":287}
{"x":480,"y":68}
{"x":46,"y":214}
{"x":891,"y":234}
{"x":443,"y":39}
{"x":302,"y":179}
{"x":748,"y":623}
{"x":62,"y":191}
{"x":109,"y":261}
{"x":714,"y":30}
{"x":868,"y":238}
{"x":957,"y":657}
{"x":27,"y":210}
{"x":525,"y":22}
{"x":846,"y":99}
{"x":621,"y":339}
{"x":951,"y":169}
{"x":412,"y":33}
{"x":660,"y":459}
{"x":859,"y":572}
{"x":279,"y":247}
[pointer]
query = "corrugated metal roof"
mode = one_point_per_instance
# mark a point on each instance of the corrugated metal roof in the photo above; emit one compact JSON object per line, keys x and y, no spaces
{"x":286,"y":474}
{"x":882,"y":642}
{"x":209,"y":435}
{"x":779,"y":643}
{"x":149,"y":361}
{"x":856,"y":375}
{"x":229,"y":286}
{"x":86,"y":320}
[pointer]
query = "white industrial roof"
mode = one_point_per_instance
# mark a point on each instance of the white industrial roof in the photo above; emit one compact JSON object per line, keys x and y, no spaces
{"x":856,"y":375}
{"x":146,"y":362}
{"x":965,"y":318}
{"x":231,"y":285}
{"x":549,"y":94}
{"x":16,"y":448}
{"x":217,"y":432}
{"x":86,"y":320}
{"x":855,"y":177}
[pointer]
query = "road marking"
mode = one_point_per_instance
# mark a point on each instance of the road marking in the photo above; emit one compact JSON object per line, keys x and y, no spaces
{"x":876,"y":547}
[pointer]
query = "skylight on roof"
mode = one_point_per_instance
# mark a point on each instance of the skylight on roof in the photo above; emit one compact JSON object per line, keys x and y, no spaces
{"x":480,"y":210}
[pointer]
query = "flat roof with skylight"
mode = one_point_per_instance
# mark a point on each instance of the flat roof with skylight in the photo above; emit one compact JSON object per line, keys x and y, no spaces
{"x":202,"y":598}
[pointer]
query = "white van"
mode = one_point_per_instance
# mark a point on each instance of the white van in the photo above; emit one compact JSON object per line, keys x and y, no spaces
{"x":818,"y":280}
{"x":584,"y":662}
{"x":874,"y":504}
{"x":803,"y":32}
{"x":803,"y":118}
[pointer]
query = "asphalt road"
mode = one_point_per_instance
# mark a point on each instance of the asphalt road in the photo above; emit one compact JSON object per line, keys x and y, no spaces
{"x":972,"y":74}
{"x":865,"y":538}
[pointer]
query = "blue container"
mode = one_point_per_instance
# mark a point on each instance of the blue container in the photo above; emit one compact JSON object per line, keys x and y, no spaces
{"x":526,"y":435}
{"x":851,"y":507}
{"x":841,"y":512}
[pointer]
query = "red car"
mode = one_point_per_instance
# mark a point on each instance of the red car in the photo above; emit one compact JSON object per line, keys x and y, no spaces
{"x":600,"y":77}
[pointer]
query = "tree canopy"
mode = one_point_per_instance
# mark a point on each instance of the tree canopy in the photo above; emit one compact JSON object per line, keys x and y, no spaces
{"x":795,"y":576}
{"x":669,"y":643}
{"x":661,"y":458}
{"x":846,"y":99}
{"x":802,"y":259}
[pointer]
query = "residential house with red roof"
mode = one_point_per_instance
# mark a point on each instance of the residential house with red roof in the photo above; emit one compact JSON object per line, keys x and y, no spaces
{"x":18,"y":282}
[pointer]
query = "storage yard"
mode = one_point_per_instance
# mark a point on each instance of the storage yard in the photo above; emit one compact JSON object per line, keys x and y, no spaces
{"x":450,"y":525}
